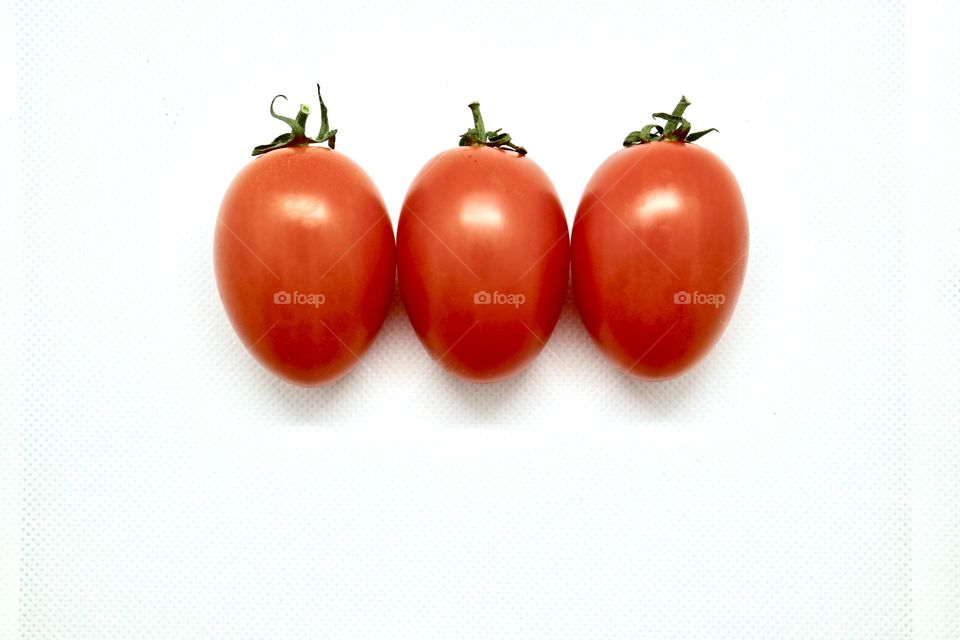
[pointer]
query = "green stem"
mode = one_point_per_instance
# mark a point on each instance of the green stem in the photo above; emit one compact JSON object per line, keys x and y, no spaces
{"x":297,"y":136}
{"x":302,"y":118}
{"x":676,"y":129}
{"x":477,"y":120}
{"x":479,"y":136}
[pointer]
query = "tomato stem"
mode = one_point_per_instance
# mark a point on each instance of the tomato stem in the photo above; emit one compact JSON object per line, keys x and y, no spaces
{"x":297,"y":137}
{"x":677,"y":128}
{"x":479,"y":136}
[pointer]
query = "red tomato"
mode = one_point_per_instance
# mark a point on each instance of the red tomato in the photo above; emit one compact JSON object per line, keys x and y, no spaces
{"x":483,"y":256}
{"x":659,"y":251}
{"x":304,"y":258}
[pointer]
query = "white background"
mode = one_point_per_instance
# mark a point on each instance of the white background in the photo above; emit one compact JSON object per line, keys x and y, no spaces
{"x":155,"y":482}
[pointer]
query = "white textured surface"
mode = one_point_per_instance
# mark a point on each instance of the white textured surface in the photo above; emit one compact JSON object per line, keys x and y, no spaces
{"x":156,"y":483}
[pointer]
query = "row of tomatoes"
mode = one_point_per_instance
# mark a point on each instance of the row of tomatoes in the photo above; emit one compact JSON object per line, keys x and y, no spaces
{"x":305,"y":254}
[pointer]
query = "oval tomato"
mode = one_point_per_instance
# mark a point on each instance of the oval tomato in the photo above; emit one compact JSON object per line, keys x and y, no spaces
{"x":304,"y":257}
{"x":483,"y":256}
{"x":659,"y":250}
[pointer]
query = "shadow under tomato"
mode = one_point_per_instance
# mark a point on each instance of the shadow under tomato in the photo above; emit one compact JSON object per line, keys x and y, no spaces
{"x":489,"y":404}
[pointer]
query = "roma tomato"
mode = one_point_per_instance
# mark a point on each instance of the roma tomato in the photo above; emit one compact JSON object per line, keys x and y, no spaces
{"x":659,"y":250}
{"x":304,"y":256}
{"x":483,"y":256}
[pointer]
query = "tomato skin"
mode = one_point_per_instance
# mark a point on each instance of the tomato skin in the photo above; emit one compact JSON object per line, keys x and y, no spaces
{"x":655,"y":220}
{"x":475,"y":220}
{"x":306,"y":220}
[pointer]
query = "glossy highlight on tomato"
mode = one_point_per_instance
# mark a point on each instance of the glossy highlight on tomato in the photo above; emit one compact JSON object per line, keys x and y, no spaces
{"x":483,"y":256}
{"x":304,"y":257}
{"x":659,"y":250}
